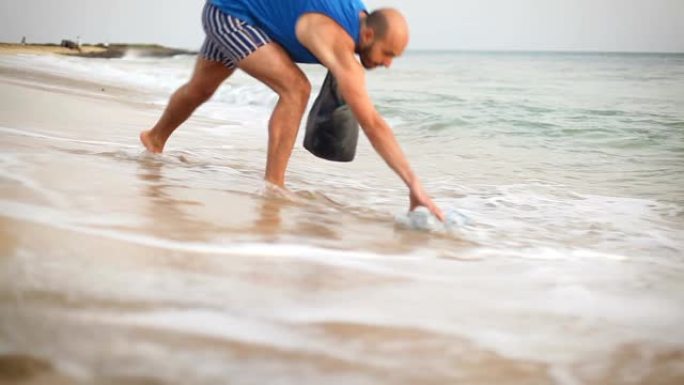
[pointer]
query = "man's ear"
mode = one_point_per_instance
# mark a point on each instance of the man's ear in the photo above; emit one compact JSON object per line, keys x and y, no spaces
{"x":368,"y":35}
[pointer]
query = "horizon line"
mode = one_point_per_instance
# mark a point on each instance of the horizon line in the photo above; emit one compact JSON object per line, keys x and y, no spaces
{"x":544,"y":51}
{"x":428,"y":50}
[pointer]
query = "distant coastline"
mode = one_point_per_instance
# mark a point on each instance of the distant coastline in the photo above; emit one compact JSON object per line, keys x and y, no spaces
{"x":110,"y":51}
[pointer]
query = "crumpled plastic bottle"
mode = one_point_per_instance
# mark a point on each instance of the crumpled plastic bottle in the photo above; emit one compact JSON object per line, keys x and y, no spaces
{"x":422,"y":219}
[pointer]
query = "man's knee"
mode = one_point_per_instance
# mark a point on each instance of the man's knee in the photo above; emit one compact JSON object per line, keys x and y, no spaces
{"x":298,"y":89}
{"x":306,"y":90}
{"x":305,"y":87}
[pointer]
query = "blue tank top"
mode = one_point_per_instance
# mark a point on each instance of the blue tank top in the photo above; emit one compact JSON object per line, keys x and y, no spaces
{"x":278,"y":19}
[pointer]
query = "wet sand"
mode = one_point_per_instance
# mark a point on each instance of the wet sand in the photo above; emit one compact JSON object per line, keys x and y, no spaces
{"x":120,"y":267}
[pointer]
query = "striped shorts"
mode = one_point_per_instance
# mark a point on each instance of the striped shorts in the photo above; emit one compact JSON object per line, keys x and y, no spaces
{"x":229,"y":39}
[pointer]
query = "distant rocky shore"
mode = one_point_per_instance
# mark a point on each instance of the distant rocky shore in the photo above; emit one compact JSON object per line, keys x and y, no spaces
{"x":110,"y":51}
{"x":113,"y":51}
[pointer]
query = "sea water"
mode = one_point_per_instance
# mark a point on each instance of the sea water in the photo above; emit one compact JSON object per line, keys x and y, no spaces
{"x":562,"y":175}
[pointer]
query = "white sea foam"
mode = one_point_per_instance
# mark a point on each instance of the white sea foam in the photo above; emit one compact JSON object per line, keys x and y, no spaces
{"x":33,"y":133}
{"x":537,"y":215}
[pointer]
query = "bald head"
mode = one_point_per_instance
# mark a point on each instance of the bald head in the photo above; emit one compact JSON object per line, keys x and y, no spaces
{"x":386,"y":21}
{"x":384,"y":36}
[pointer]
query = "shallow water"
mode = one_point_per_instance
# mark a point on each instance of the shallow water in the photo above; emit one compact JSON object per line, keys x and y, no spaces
{"x":120,"y":266}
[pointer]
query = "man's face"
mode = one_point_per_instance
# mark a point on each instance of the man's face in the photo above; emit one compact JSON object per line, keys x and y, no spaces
{"x":381,"y":52}
{"x":376,"y":54}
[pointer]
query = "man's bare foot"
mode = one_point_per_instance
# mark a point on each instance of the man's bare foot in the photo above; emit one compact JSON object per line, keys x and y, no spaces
{"x":150,"y":143}
{"x":274,"y":191}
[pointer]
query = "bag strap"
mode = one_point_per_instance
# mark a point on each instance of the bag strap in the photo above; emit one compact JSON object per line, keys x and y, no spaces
{"x":331,"y":82}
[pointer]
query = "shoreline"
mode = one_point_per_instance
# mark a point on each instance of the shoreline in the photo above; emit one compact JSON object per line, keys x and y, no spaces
{"x":111,"y":51}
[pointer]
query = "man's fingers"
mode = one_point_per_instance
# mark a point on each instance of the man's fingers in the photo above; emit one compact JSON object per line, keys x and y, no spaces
{"x":438,"y":213}
{"x":427,"y":203}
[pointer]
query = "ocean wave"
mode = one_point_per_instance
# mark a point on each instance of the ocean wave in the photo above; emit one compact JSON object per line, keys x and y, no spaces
{"x":674,"y":124}
{"x":602,"y":112}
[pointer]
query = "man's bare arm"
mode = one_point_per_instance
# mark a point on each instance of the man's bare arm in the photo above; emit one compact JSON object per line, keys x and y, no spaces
{"x":335,"y":49}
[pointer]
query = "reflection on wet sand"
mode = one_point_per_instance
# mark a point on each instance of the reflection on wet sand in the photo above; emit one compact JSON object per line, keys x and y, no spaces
{"x":180,"y":218}
{"x":167,"y":213}
{"x":269,"y":221}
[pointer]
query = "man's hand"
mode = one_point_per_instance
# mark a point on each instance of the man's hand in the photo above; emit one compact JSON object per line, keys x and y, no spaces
{"x":419,"y":197}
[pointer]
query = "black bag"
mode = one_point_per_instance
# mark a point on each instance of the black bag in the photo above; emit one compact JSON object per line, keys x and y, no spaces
{"x":332,"y":131}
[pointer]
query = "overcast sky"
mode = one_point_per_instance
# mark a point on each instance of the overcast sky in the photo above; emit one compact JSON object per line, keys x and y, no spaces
{"x":575,"y":25}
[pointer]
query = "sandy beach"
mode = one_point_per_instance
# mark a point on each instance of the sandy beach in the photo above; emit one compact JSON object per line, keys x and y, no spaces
{"x":122,"y":267}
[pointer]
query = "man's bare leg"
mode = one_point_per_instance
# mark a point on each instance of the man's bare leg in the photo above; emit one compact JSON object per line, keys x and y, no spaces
{"x":273,"y":66}
{"x":208,"y":75}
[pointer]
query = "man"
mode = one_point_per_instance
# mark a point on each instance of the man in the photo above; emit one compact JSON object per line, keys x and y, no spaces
{"x":265,"y":38}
